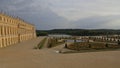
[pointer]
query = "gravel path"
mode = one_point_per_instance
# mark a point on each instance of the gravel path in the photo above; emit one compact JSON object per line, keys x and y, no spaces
{"x":23,"y":55}
{"x":46,"y":43}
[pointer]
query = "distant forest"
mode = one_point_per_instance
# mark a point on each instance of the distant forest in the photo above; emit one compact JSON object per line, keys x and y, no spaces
{"x":79,"y":32}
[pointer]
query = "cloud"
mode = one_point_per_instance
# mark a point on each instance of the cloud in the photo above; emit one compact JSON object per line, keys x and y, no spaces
{"x":99,"y":22}
{"x":76,"y":9}
{"x":50,"y":14}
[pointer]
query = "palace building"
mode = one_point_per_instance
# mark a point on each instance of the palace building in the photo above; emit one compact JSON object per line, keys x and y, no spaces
{"x":14,"y":30}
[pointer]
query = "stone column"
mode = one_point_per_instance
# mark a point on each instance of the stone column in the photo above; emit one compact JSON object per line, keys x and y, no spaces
{"x":10,"y":40}
{"x":7,"y":42}
{"x":12,"y":31}
{"x":6,"y":31}
{"x":0,"y":37}
{"x":3,"y":31}
{"x":14,"y":40}
{"x":3,"y":34}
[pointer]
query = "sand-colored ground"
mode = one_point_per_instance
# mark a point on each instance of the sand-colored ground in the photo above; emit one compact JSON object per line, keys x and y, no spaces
{"x":24,"y":56}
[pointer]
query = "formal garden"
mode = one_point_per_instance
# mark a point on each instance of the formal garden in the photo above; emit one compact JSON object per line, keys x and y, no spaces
{"x":92,"y":46}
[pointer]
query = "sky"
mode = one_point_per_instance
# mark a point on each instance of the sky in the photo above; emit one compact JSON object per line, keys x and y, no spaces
{"x":66,"y":14}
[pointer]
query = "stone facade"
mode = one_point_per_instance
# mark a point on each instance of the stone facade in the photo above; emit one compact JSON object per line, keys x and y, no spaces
{"x":14,"y":30}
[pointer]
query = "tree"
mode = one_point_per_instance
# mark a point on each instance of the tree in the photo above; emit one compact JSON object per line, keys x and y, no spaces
{"x":42,"y":33}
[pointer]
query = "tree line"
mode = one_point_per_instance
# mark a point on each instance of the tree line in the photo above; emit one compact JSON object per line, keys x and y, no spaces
{"x":79,"y":32}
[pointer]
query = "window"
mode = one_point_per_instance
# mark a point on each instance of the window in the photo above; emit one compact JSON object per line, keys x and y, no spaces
{"x":0,"y":18}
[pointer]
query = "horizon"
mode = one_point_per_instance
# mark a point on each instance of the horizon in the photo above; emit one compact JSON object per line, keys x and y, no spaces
{"x":65,"y":14}
{"x":79,"y":29}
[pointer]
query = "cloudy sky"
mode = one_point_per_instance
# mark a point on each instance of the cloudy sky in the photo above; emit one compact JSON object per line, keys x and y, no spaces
{"x":55,"y":14}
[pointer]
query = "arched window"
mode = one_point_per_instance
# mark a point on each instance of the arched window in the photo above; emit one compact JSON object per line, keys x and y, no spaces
{"x":0,"y":18}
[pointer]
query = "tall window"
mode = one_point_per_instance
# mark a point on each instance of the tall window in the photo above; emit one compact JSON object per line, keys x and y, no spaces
{"x":0,"y":18}
{"x":0,"y":30}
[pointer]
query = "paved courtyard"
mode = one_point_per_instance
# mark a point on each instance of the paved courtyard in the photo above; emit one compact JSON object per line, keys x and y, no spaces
{"x":23,"y":55}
